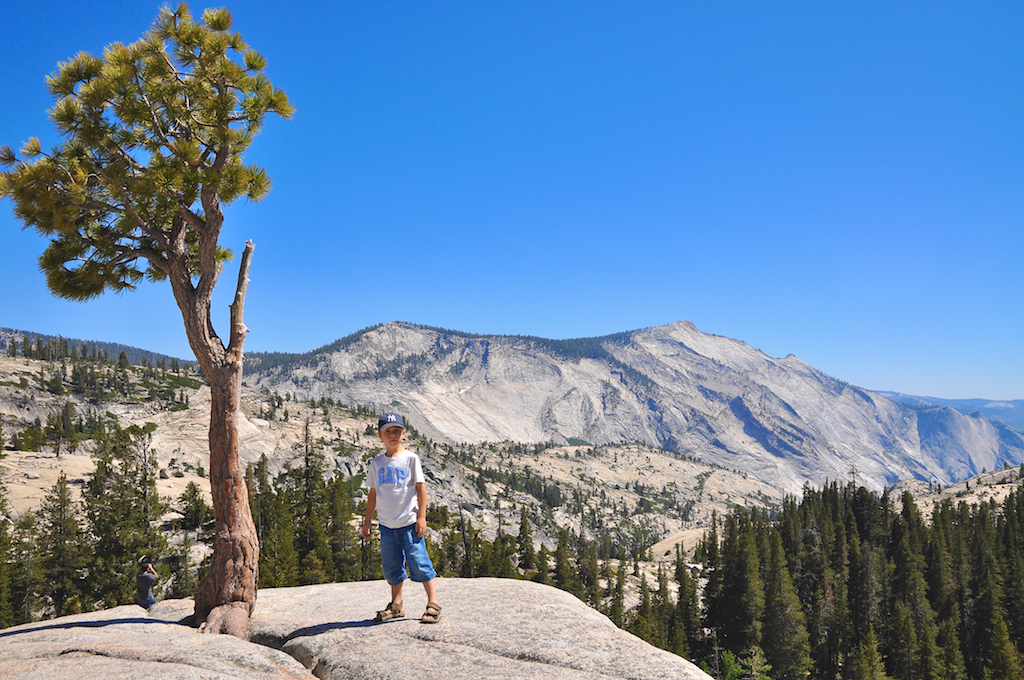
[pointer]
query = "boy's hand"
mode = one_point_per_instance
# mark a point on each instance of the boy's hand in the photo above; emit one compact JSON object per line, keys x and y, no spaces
{"x":366,"y":529}
{"x":421,"y":526}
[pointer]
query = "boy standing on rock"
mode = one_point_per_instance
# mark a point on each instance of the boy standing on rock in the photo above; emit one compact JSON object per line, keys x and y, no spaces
{"x":398,"y":493}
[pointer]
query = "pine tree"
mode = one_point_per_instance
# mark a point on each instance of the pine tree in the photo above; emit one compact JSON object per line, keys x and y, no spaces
{"x":589,"y":573}
{"x":952,"y":663}
{"x":618,"y":610}
{"x":195,"y":511}
{"x":912,"y":650}
{"x":344,"y":537}
{"x":27,"y":577}
{"x":7,"y":613}
{"x":1004,"y":660}
{"x":686,"y":615}
{"x":867,"y":663}
{"x":62,"y":549}
{"x":755,"y":665}
{"x":543,"y":574}
{"x":122,"y":508}
{"x":709,"y":551}
{"x":7,"y":610}
{"x":987,"y":612}
{"x":153,"y":135}
{"x":785,"y":639}
{"x":370,"y":557}
{"x":527,"y":558}
{"x":565,"y":575}
{"x":741,"y":604}
{"x":642,"y":624}
{"x":279,"y":561}
{"x":184,"y":574}
{"x":304,"y":488}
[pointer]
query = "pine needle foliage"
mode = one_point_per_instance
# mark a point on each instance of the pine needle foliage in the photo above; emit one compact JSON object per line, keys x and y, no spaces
{"x":152,"y":140}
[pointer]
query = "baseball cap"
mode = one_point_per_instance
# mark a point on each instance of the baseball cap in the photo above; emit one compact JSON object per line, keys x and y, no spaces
{"x":390,"y":420}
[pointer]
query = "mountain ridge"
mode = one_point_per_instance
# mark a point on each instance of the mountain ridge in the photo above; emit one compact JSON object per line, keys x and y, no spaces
{"x":710,"y":397}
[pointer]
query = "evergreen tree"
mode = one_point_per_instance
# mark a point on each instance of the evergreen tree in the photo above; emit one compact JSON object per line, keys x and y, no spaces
{"x":589,"y":574}
{"x":152,"y":138}
{"x":543,"y":565}
{"x":8,"y":616}
{"x":732,"y":667}
{"x":1004,"y":660}
{"x":912,"y":650}
{"x":316,"y":558}
{"x":7,"y":610}
{"x":642,"y":624}
{"x":195,"y":511}
{"x":343,"y":535}
{"x":686,"y":616}
{"x":741,"y":604}
{"x":952,"y":663}
{"x":755,"y":665}
{"x":27,"y":577}
{"x":987,"y":611}
{"x":62,"y":549}
{"x":617,"y":610}
{"x":710,"y":554}
{"x":184,"y":578}
{"x":123,"y":510}
{"x":370,"y":557}
{"x":565,"y":575}
{"x":785,"y":639}
{"x":279,"y":561}
{"x":867,"y":663}
{"x":527,"y":559}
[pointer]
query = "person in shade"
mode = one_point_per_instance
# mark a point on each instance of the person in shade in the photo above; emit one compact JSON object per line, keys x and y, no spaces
{"x":398,"y":493}
{"x":144,"y":584}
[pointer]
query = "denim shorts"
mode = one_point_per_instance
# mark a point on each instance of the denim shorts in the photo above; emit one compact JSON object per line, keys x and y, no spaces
{"x":401,"y":548}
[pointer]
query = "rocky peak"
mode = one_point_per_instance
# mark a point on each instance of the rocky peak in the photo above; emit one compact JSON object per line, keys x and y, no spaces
{"x":703,"y":396}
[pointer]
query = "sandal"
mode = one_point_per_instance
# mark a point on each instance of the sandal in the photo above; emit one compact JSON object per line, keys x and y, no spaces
{"x":392,"y":611}
{"x":433,"y":613}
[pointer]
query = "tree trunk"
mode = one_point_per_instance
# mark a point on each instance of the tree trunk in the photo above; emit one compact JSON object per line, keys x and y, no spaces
{"x":226,"y":597}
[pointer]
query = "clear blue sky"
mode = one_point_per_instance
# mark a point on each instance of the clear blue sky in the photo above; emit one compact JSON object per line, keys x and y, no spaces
{"x":839,"y":181}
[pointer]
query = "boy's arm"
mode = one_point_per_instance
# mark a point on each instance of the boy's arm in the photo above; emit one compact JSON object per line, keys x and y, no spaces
{"x":421,"y":516}
{"x":371,"y":506}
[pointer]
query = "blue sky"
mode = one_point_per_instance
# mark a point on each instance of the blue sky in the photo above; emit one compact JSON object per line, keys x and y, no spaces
{"x":839,"y":181}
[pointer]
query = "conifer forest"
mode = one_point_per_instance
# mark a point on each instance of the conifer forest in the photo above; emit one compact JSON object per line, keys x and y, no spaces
{"x":839,"y":583}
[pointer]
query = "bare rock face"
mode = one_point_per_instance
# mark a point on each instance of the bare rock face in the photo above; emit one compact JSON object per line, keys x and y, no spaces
{"x":490,"y":629}
{"x":128,"y":642}
{"x":704,"y":396}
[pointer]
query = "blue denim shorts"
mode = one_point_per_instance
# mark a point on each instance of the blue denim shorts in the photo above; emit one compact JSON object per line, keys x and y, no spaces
{"x":401,"y":548}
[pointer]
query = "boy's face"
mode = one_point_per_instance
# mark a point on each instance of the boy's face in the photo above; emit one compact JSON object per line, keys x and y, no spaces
{"x":391,"y":437}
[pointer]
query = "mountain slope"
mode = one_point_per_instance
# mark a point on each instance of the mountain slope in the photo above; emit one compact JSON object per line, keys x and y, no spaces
{"x":703,"y":396}
{"x":1009,"y":413}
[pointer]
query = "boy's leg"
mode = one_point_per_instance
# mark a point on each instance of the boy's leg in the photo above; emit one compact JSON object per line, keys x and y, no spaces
{"x":392,"y":562}
{"x":396,"y":595}
{"x":430,"y":587}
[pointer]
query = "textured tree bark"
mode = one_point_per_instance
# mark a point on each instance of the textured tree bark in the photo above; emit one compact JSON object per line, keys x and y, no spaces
{"x":226,"y":597}
{"x":233,"y":573}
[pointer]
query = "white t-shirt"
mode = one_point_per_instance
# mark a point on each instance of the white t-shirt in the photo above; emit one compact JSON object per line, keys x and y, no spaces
{"x":395,"y":480}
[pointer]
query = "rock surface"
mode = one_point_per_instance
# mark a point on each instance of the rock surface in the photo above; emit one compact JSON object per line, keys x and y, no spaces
{"x":704,"y":396}
{"x":489,"y":629}
{"x":128,"y":642}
